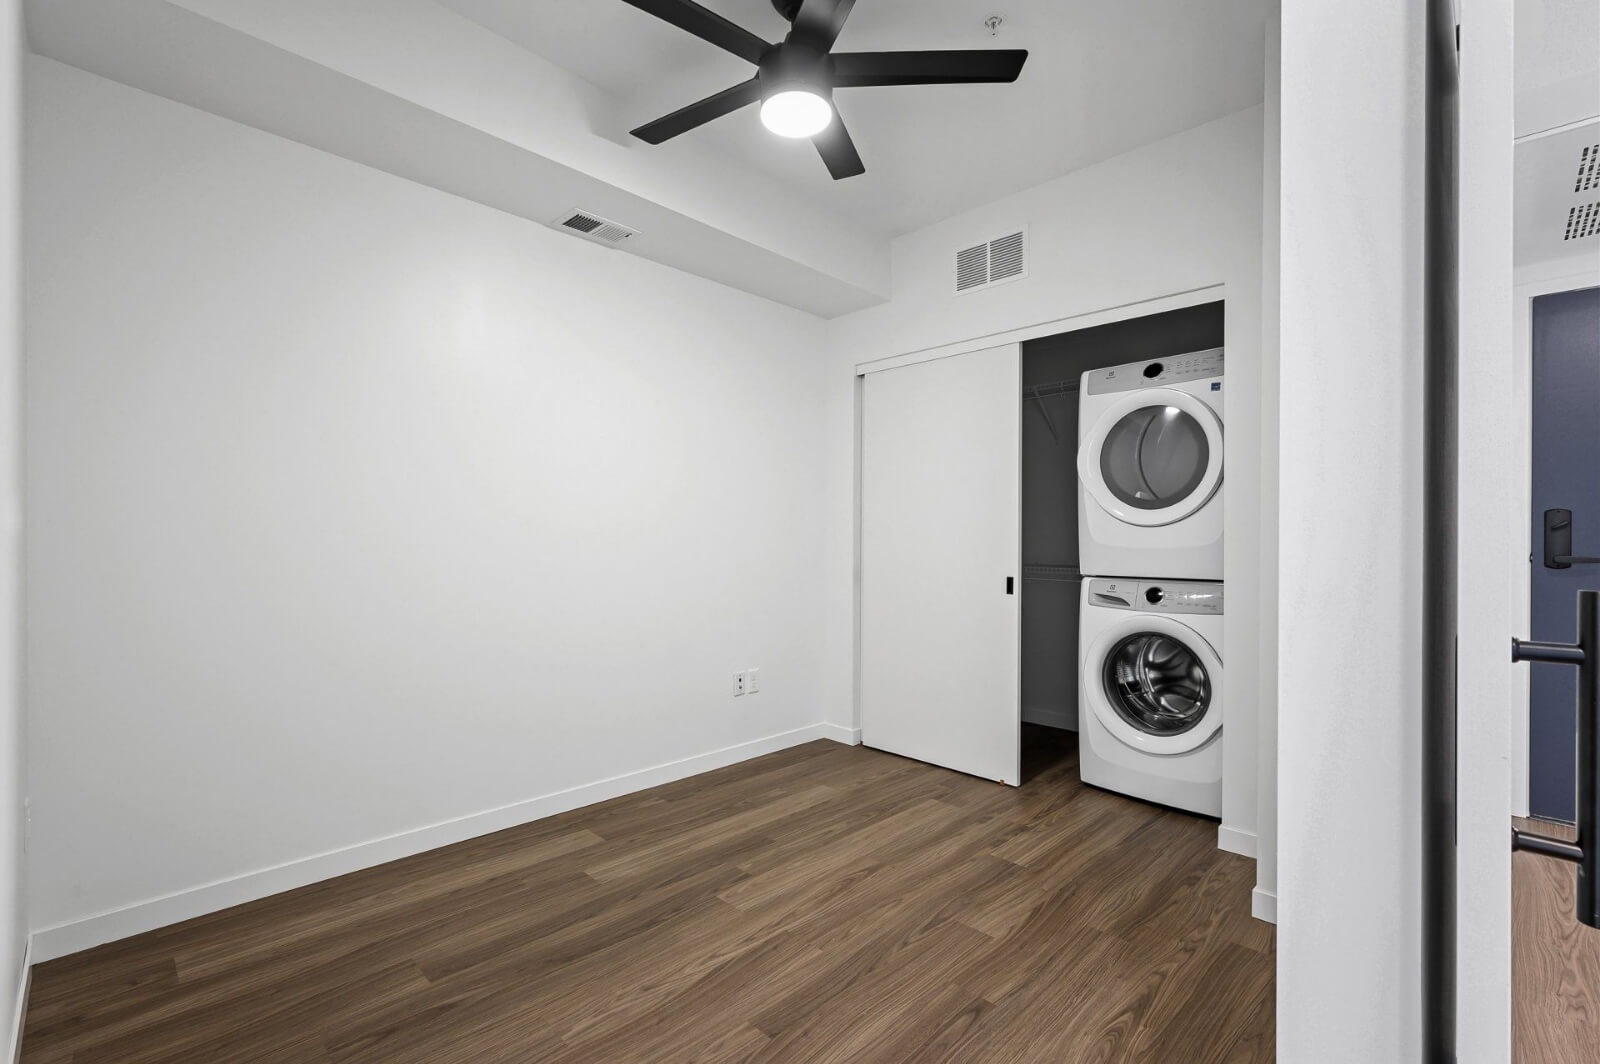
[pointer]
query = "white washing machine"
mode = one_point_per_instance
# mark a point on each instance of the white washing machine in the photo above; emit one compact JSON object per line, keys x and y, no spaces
{"x":1150,"y":681}
{"x":1150,"y":468}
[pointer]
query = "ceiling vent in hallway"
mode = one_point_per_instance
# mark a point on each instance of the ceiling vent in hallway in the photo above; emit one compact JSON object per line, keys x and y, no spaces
{"x":1588,"y":169}
{"x":591,"y":226}
{"x":1583,"y":220}
{"x":1005,"y":258}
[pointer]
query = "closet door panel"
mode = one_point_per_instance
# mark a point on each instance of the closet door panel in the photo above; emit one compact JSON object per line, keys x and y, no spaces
{"x":940,"y":538}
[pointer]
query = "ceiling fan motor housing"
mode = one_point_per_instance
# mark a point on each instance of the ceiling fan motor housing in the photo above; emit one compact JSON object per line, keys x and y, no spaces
{"x":798,"y":66}
{"x":787,"y":8}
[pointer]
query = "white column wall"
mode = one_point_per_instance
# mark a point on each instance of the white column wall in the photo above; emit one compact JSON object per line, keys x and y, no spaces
{"x":1350,"y":551}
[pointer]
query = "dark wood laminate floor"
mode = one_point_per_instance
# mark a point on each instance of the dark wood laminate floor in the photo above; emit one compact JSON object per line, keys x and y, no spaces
{"x":823,"y":904}
{"x":1555,"y":962}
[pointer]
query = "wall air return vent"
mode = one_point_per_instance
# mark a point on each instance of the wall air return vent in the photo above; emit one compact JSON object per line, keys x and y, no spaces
{"x":1588,"y":169}
{"x":1583,"y":220}
{"x":591,"y":226}
{"x":1005,"y":258}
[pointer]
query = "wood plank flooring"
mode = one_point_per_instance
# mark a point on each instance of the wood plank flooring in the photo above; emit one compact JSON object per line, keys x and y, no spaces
{"x":823,"y":904}
{"x":1555,"y":962}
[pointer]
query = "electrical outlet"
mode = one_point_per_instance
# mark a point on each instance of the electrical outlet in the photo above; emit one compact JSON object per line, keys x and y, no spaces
{"x":752,"y":680}
{"x":738,"y":684}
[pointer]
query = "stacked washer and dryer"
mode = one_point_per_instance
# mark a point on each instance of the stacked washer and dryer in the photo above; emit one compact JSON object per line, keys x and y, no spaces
{"x":1150,"y":549}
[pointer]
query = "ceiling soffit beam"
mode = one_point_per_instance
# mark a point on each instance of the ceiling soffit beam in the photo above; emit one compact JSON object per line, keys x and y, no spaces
{"x":790,"y":255}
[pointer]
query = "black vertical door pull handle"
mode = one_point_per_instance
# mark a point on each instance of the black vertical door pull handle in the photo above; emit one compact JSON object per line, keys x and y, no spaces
{"x":1585,"y":655}
{"x":1011,"y":583}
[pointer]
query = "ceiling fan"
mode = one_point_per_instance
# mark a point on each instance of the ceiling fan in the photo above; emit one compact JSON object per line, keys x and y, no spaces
{"x":795,"y":79}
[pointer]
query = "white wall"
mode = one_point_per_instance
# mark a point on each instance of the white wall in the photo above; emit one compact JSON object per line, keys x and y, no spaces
{"x":1176,"y":216}
{"x":1350,"y":558}
{"x":355,"y":508}
{"x":13,"y":921}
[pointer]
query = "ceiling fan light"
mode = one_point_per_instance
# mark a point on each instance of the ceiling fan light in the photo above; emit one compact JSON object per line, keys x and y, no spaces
{"x":796,"y":113}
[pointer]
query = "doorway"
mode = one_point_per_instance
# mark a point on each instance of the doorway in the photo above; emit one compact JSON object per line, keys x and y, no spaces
{"x":1565,"y":528}
{"x":1052,"y":579}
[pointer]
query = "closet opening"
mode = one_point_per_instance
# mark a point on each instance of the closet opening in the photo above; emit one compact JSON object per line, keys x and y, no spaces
{"x":1053,"y":369}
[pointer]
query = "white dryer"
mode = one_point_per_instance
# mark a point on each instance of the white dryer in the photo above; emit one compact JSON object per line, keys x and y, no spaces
{"x":1150,"y":468}
{"x":1150,"y":678}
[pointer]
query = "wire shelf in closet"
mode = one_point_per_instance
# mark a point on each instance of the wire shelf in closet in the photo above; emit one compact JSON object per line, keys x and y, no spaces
{"x":1050,"y":390}
{"x":1053,"y":390}
{"x":1051,"y":572}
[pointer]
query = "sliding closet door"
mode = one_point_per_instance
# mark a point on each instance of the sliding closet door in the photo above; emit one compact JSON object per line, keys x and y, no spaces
{"x":940,"y":577}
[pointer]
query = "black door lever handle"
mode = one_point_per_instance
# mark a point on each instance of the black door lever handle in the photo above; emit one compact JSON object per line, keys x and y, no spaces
{"x":1558,"y":542}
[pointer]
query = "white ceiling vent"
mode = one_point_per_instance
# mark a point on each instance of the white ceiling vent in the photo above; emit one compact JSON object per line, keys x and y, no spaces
{"x":591,"y":226}
{"x":1588,"y":169}
{"x":1005,"y":258}
{"x":1558,"y":194}
{"x":1583,"y":220}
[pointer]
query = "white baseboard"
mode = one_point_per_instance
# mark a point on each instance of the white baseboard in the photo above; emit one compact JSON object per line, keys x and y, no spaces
{"x":1233,"y":840}
{"x":73,"y":936}
{"x":1064,"y":719}
{"x":20,"y":1011}
{"x":840,"y":734}
{"x":1264,"y":905}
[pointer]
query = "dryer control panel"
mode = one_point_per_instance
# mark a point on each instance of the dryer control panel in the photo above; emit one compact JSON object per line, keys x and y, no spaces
{"x":1157,"y":596}
{"x":1196,"y":365}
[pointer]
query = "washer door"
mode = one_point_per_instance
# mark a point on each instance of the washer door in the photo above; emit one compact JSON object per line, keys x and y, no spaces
{"x":1153,"y":458}
{"x":1153,"y":683}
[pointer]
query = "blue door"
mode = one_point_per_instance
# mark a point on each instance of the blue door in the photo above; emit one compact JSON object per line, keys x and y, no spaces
{"x":1566,"y":529}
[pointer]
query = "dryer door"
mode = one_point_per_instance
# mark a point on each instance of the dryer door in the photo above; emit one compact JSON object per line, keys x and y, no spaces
{"x":1153,"y":683}
{"x":1153,"y":457}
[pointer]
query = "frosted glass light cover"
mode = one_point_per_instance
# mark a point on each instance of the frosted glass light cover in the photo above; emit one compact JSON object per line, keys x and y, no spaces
{"x":796,"y":113}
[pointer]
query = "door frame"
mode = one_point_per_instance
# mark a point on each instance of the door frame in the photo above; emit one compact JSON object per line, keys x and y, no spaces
{"x":1545,"y":279}
{"x":1489,"y":531}
{"x":1155,"y":305}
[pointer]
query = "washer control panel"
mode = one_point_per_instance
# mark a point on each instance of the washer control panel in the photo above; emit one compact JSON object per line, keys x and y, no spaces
{"x":1196,"y":365}
{"x":1157,"y":596}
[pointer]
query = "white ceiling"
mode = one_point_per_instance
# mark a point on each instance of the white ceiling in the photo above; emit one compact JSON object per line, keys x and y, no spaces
{"x":1557,"y":118}
{"x":1103,"y":77}
{"x":1557,"y":63}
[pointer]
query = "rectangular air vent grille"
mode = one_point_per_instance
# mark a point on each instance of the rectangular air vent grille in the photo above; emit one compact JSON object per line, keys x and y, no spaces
{"x":1588,"y":169}
{"x":1583,"y":220}
{"x":972,"y":267}
{"x":591,"y":226}
{"x":1005,"y":258}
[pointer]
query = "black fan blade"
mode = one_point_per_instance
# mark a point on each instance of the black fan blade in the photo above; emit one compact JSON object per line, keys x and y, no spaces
{"x":707,"y":25}
{"x":699,"y":113}
{"x":859,"y":69}
{"x":819,"y":21}
{"x":838,"y":150}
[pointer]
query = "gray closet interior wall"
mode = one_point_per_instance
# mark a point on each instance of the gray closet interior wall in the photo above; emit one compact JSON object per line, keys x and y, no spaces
{"x":1051,"y":367}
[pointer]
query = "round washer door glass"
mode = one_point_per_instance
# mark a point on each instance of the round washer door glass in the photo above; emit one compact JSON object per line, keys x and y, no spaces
{"x":1154,"y":457}
{"x":1157,"y":684}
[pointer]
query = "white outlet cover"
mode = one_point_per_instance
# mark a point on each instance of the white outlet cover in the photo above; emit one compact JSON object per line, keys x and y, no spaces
{"x":738,"y":684}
